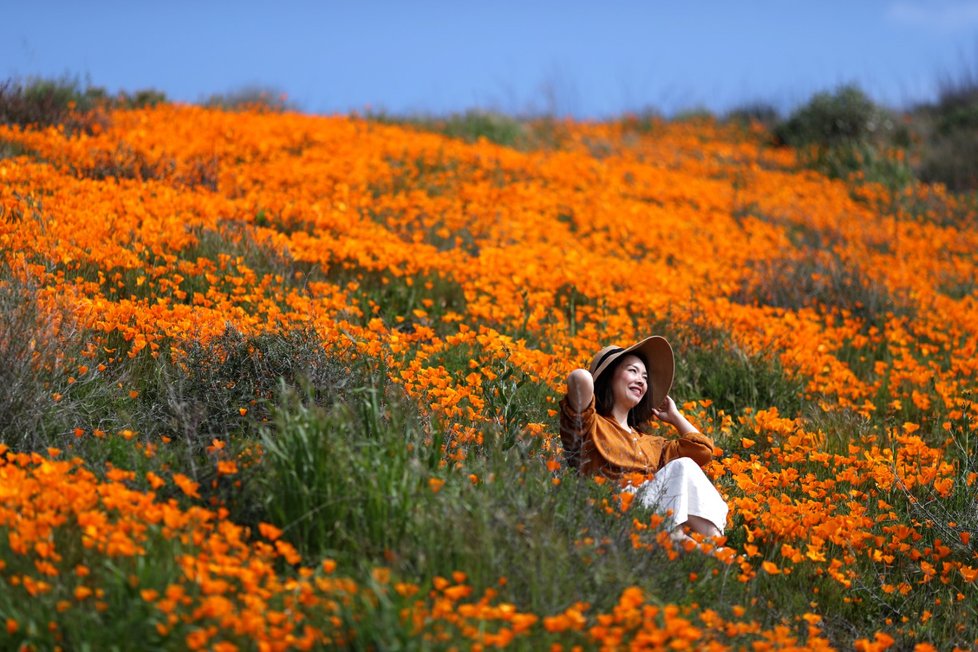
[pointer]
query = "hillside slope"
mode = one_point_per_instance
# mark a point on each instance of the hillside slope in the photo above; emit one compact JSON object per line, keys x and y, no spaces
{"x":173,"y":264}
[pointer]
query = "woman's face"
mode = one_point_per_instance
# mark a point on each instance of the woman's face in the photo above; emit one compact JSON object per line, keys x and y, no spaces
{"x":630,"y":382}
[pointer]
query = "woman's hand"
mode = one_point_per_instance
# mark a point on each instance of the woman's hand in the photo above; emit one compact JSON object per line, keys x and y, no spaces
{"x":669,"y":413}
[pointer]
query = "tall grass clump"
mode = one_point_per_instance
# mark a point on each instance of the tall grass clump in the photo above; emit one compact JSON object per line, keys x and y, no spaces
{"x":344,"y":480}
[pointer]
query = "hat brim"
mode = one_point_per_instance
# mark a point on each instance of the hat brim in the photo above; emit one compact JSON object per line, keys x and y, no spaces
{"x":660,"y":364}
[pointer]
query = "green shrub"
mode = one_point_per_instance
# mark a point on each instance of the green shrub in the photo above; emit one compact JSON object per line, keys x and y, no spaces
{"x":845,"y":132}
{"x":844,"y":118}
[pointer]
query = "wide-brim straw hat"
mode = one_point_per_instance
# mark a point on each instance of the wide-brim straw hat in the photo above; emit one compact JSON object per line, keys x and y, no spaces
{"x":660,"y":363}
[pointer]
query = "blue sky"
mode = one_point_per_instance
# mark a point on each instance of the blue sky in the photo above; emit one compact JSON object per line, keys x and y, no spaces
{"x":587,"y":59}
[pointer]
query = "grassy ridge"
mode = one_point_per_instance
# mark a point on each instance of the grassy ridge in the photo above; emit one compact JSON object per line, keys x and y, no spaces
{"x":292,"y":380}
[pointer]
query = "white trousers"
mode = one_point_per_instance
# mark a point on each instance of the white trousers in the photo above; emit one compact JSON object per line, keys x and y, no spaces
{"x":679,"y":489}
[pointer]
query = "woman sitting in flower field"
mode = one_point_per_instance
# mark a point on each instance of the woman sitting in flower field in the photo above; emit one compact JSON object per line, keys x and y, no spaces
{"x":601,"y":427}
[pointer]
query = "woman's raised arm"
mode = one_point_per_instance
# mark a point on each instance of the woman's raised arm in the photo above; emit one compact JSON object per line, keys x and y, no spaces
{"x":580,"y":389}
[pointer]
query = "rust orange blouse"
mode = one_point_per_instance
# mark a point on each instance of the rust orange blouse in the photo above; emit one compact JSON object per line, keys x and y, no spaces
{"x":598,"y":445}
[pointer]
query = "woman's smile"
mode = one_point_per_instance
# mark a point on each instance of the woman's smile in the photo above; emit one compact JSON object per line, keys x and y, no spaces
{"x":630,"y":382}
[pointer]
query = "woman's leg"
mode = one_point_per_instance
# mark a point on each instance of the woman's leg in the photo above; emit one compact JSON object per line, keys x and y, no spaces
{"x":702,"y":526}
{"x":681,"y":489}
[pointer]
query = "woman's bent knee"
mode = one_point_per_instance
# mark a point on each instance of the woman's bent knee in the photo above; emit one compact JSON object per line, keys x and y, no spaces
{"x":686,"y":464}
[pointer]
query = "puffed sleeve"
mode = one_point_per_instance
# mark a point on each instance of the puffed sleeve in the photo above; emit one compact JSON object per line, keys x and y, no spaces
{"x":694,"y":445}
{"x":574,"y":428}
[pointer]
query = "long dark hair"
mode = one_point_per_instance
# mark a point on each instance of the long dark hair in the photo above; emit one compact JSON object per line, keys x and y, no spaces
{"x":604,"y":397}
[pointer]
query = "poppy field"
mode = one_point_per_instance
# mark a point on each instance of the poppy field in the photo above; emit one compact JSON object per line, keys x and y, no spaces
{"x":275,"y":381}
